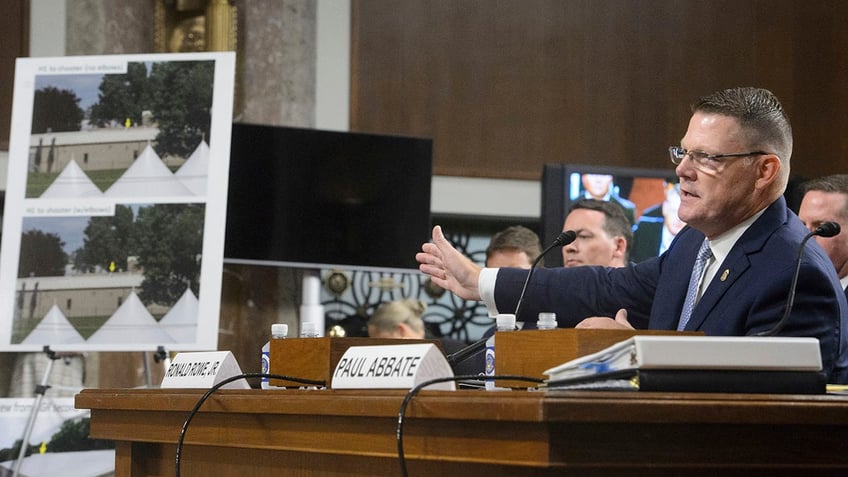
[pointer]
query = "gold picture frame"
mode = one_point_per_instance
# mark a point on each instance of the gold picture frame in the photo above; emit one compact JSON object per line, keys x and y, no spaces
{"x":195,"y":25}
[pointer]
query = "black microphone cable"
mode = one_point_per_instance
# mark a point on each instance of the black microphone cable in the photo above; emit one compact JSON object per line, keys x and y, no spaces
{"x":413,"y":391}
{"x":212,"y":390}
{"x":826,"y":229}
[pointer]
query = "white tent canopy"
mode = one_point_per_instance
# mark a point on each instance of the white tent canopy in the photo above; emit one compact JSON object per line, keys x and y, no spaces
{"x":72,"y":182}
{"x":193,"y":173}
{"x":181,"y":320}
{"x":148,"y":176}
{"x":54,"y":329}
{"x":131,"y":323}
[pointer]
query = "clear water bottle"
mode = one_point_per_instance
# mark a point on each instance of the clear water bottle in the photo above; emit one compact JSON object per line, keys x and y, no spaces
{"x":278,"y":331}
{"x":504,"y":322}
{"x":546,"y":321}
{"x":309,"y":329}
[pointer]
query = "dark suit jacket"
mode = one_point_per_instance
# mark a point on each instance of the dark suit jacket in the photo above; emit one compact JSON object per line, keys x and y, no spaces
{"x":648,"y":234}
{"x":748,"y":294}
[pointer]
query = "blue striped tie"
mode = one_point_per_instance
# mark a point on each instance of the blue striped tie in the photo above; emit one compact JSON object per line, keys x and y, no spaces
{"x":704,"y":254}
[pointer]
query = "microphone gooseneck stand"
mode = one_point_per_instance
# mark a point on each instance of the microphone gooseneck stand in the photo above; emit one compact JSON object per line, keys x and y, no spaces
{"x":564,"y":238}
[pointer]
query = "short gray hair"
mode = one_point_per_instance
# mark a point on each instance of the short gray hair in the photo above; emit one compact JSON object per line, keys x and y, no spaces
{"x":760,"y":115}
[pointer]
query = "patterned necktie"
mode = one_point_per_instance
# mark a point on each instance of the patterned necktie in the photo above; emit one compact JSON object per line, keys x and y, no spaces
{"x":704,"y":254}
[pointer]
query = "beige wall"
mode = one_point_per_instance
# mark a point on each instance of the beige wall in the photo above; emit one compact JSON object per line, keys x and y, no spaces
{"x":91,"y":157}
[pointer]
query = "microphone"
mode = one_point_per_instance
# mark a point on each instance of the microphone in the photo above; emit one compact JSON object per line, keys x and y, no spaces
{"x":826,"y":229}
{"x":564,"y":238}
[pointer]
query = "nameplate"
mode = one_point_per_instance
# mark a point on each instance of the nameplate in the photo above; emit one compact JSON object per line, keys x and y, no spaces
{"x":203,"y":370}
{"x":392,"y":367}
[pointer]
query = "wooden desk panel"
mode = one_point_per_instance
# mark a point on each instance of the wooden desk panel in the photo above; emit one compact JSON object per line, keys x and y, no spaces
{"x":351,"y":432}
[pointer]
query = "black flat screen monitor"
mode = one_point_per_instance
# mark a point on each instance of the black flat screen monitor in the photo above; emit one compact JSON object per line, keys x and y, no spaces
{"x":317,"y":199}
{"x":641,"y":193}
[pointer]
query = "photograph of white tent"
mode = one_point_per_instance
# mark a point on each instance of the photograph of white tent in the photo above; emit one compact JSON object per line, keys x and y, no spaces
{"x":55,"y":329}
{"x":131,"y":323}
{"x":60,"y":230}
{"x":148,"y":176}
{"x":72,"y":182}
{"x":181,"y":320}
{"x":194,"y":170}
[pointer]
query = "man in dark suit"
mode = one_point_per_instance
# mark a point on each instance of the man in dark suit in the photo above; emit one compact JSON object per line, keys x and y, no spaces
{"x":604,"y":234}
{"x":826,"y":200}
{"x":657,"y":226}
{"x":733,"y":166}
{"x":602,"y":187}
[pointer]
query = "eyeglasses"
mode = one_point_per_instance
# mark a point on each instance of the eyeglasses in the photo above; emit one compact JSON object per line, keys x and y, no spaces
{"x":711,"y":162}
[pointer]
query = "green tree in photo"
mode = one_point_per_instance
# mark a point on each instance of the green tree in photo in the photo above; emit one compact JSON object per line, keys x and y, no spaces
{"x":11,"y":453}
{"x":56,"y":110}
{"x":170,"y":241}
{"x":73,"y":437}
{"x":107,"y":243}
{"x":41,"y":255}
{"x":122,"y":97}
{"x":182,"y":104}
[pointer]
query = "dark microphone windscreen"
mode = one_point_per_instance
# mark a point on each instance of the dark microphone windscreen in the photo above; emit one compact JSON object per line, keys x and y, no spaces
{"x":566,"y":237}
{"x":828,"y":229}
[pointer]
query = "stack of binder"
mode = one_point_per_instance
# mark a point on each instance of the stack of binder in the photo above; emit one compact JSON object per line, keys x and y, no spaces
{"x":773,"y":365}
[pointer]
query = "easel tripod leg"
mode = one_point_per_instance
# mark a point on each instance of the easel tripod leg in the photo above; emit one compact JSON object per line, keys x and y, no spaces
{"x":40,"y":390}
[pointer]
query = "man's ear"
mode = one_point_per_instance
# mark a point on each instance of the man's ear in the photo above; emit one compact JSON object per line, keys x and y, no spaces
{"x":768,"y":170}
{"x":620,"y":247}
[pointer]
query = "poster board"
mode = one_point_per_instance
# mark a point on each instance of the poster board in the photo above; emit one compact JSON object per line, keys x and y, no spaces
{"x":58,"y":439}
{"x":113,"y":230}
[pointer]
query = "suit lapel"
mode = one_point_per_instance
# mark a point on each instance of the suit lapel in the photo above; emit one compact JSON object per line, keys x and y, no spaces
{"x":671,"y":289}
{"x":730,"y":270}
{"x":737,"y":262}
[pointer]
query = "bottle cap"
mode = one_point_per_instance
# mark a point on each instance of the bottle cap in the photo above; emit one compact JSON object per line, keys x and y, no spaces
{"x":505,"y":322}
{"x":547,"y":317}
{"x":546,"y":321}
{"x":308,"y":329}
{"x":279,"y":329}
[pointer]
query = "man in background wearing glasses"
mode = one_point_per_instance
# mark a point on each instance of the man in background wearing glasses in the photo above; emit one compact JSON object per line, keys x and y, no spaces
{"x":733,"y":166}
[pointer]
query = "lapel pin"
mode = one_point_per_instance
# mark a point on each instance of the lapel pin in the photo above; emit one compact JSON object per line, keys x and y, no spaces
{"x":724,"y":274}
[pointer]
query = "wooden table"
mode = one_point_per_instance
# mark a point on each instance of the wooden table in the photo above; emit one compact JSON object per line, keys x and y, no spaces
{"x":469,"y":432}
